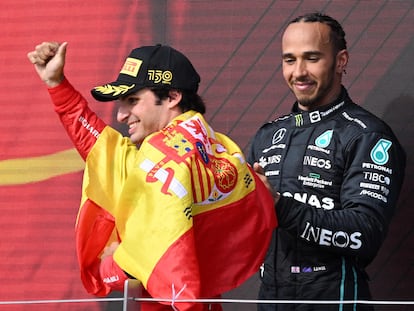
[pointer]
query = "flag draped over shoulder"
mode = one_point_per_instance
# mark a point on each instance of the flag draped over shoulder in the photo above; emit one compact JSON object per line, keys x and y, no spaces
{"x":193,"y":219}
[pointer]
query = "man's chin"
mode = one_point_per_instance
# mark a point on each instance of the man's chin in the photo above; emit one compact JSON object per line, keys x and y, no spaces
{"x":135,"y":140}
{"x":305,"y":98}
{"x":305,"y":101}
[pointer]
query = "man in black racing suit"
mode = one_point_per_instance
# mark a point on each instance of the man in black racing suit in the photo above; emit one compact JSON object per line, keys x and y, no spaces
{"x":338,"y":170}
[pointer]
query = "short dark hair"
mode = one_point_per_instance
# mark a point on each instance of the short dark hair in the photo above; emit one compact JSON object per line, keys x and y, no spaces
{"x":189,"y":101}
{"x":337,"y":33}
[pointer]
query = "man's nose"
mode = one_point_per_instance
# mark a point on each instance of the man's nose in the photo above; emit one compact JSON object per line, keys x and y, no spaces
{"x":300,"y":69}
{"x":123,"y":113}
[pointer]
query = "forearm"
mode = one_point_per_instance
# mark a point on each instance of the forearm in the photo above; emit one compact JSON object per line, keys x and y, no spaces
{"x":82,"y":125}
{"x":357,"y":232}
{"x":111,"y":274}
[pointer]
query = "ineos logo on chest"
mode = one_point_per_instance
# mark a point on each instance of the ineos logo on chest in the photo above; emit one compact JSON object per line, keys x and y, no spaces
{"x":317,"y":162}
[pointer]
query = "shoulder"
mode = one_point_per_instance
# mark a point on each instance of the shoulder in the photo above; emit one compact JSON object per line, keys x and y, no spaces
{"x":281,"y":121}
{"x":363,"y":130}
{"x":362,"y":121}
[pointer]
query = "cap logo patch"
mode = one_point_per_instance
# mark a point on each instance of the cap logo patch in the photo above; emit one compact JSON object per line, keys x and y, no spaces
{"x":114,"y":90}
{"x":160,"y":76}
{"x":131,"y":66}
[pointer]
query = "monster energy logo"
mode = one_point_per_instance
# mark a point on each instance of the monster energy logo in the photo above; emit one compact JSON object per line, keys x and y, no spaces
{"x":299,"y":119}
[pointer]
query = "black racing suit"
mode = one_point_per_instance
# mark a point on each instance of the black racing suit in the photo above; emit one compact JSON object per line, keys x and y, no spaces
{"x":339,"y":171}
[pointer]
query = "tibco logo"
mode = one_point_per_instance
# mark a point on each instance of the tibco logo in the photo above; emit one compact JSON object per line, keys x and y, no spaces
{"x":376,"y":177}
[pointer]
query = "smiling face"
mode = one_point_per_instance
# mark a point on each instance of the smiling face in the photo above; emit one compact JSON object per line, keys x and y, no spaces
{"x":145,"y":113}
{"x":311,"y":67}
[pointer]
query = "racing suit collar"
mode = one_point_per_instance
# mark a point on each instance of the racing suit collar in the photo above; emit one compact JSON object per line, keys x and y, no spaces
{"x":303,"y":118}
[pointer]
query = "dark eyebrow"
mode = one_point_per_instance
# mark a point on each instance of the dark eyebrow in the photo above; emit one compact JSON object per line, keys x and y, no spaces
{"x":306,"y":54}
{"x":287,"y":55}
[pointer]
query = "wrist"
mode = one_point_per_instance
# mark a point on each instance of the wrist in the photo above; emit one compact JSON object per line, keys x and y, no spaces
{"x":51,"y":83}
{"x":111,"y":274}
{"x":276,"y":196}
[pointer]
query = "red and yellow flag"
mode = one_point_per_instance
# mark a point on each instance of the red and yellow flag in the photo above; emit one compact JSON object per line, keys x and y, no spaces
{"x":193,"y":219}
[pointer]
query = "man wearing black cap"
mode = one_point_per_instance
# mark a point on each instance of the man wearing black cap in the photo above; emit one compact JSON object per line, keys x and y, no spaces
{"x":147,"y":74}
{"x":162,"y":213}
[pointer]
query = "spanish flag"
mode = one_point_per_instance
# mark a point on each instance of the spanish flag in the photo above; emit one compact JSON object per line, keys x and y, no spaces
{"x":192,"y":218}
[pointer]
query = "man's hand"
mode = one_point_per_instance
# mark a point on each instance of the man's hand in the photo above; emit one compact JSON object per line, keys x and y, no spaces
{"x":109,"y":250}
{"x":112,"y":274}
{"x":260,"y":172}
{"x":49,"y":60}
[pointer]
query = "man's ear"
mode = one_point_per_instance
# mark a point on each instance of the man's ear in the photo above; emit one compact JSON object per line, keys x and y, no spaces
{"x":174,"y":97}
{"x":342,"y":61}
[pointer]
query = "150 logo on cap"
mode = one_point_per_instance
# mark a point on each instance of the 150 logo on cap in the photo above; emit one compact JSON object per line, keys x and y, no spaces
{"x":160,"y":76}
{"x":131,"y":67}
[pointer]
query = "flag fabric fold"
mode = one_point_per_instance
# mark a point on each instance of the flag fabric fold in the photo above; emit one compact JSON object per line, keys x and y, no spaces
{"x":192,"y":218}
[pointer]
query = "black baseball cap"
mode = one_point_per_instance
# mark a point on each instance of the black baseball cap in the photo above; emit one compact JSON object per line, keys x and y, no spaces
{"x":150,"y":66}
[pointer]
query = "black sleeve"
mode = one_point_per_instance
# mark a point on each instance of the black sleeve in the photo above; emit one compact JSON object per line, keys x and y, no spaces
{"x":369,"y":194}
{"x":250,"y":153}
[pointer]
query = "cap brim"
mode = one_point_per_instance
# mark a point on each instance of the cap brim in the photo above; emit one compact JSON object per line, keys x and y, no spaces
{"x":112,"y":91}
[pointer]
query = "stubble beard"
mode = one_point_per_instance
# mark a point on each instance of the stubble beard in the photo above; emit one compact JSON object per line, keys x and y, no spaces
{"x":322,"y":91}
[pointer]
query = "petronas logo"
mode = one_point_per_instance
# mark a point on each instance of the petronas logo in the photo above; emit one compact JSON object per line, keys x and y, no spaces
{"x":379,"y":154}
{"x":324,"y":139}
